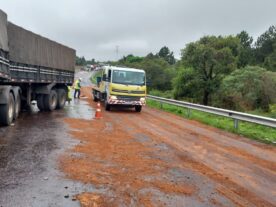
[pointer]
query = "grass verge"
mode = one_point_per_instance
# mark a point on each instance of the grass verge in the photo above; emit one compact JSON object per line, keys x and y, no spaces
{"x":253,"y":131}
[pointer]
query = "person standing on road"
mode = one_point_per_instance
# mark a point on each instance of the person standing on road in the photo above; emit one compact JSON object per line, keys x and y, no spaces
{"x":69,"y":95}
{"x":77,"y":86}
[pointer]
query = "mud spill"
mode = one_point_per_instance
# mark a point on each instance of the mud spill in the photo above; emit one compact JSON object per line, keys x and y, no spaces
{"x":157,"y":159}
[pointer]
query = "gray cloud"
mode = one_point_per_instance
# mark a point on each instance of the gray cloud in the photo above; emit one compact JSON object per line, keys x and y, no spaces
{"x":95,"y":27}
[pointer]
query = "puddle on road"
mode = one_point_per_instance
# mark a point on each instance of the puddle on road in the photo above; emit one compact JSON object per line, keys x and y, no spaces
{"x":161,"y":146}
{"x":74,"y":110}
{"x":142,"y":137}
{"x":29,"y":171}
{"x":163,"y":199}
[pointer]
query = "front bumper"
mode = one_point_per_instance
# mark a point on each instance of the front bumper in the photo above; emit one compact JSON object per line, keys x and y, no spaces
{"x":127,"y":101}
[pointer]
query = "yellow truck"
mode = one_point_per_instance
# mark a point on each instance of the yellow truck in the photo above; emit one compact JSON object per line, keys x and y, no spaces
{"x":119,"y":86}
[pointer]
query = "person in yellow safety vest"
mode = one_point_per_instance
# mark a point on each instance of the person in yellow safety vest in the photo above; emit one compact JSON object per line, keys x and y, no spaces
{"x":69,"y":95}
{"x":77,"y":87}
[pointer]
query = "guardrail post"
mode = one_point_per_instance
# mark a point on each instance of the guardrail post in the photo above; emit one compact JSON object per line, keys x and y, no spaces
{"x":236,"y":124}
{"x":188,"y":112}
{"x":161,"y":105}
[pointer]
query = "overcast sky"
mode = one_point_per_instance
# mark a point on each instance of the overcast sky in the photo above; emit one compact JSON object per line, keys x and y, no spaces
{"x":95,"y":27}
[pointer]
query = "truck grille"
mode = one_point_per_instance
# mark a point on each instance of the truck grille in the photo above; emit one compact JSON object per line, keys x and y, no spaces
{"x":128,"y":92}
{"x":129,"y":98}
{"x":137,"y":92}
{"x":119,"y":91}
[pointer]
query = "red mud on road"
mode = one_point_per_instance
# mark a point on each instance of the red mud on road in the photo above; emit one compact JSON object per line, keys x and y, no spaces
{"x":155,"y":158}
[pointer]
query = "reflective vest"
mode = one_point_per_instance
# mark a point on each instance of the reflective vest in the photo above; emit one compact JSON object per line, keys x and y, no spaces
{"x":77,"y":84}
{"x":69,"y":93}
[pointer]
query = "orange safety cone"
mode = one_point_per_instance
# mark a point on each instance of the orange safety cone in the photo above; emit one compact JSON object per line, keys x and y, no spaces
{"x":98,"y":113}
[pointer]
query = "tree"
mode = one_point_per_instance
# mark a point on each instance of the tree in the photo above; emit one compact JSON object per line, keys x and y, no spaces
{"x":80,"y":61}
{"x":130,"y":59}
{"x":151,"y":56}
{"x":246,"y":51}
{"x":270,"y":60}
{"x":91,"y":62}
{"x":186,"y":84}
{"x":265,"y":45}
{"x":245,"y":39}
{"x":158,"y":73}
{"x":166,"y":55}
{"x":211,"y":58}
{"x":247,"y":89}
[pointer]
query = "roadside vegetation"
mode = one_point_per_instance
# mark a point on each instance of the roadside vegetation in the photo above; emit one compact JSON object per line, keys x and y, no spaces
{"x":250,"y":130}
{"x":232,"y":72}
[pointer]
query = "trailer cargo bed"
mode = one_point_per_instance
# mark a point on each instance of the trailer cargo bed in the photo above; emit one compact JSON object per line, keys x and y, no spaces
{"x":29,"y":57}
{"x":32,"y":67}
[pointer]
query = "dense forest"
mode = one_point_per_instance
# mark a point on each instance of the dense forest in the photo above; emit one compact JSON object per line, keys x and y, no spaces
{"x":233,"y":72}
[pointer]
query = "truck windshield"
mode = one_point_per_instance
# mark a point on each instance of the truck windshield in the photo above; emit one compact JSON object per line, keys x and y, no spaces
{"x":128,"y":77}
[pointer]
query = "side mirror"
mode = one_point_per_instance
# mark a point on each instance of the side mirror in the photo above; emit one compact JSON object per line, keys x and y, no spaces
{"x":105,"y":78}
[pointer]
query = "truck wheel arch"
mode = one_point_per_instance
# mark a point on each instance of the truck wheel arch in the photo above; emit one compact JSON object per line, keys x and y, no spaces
{"x":5,"y":92}
{"x":44,"y":89}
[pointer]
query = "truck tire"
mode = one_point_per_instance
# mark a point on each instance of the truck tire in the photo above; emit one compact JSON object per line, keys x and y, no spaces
{"x":17,"y":107}
{"x":61,"y":93}
{"x":94,"y":96}
{"x":50,"y":101}
{"x":7,"y":111}
{"x":138,"y":108}
{"x":106,"y":106}
{"x":40,"y":102}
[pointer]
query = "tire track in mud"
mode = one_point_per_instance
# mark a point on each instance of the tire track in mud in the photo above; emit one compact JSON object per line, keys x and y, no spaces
{"x":115,"y":156}
{"x":232,"y":152}
{"x":239,"y":191}
{"x":222,"y":137}
{"x":152,"y":144}
{"x":222,"y":148}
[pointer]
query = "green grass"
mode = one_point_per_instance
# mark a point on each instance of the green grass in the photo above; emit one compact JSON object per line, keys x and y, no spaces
{"x":271,"y":114}
{"x":164,"y":94}
{"x":253,"y":131}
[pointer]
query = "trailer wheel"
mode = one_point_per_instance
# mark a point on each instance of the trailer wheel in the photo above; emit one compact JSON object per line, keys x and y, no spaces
{"x":50,"y":101}
{"x":61,"y":93}
{"x":7,"y":111}
{"x":138,"y":108}
{"x":17,"y":108}
{"x":106,"y":106}
{"x":40,"y":102}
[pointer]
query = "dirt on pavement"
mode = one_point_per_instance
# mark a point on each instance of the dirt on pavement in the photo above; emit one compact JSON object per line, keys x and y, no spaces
{"x":154,"y":158}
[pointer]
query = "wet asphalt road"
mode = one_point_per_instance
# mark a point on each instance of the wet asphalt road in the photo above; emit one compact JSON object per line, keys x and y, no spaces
{"x":224,"y":169}
{"x":29,"y":174}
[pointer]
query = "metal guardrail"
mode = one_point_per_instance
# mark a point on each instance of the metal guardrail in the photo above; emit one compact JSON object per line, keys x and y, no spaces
{"x":236,"y":116}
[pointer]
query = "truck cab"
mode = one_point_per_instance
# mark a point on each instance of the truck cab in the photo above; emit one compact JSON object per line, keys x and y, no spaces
{"x":119,"y":86}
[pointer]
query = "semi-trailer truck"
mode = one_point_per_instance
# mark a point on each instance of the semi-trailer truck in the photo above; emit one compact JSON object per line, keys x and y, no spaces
{"x":119,"y":86}
{"x":32,"y":67}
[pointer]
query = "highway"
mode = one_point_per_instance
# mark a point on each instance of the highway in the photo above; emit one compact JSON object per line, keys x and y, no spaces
{"x":152,"y":158}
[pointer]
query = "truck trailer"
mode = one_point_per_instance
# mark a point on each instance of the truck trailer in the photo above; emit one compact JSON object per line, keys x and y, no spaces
{"x":119,"y":86}
{"x":32,"y":67}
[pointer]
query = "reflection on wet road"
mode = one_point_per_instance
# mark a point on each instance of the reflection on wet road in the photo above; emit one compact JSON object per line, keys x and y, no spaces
{"x":127,"y":158}
{"x":29,"y":174}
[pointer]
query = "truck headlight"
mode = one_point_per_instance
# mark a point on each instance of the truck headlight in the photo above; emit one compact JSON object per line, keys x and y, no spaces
{"x":142,"y":100}
{"x":113,"y":97}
